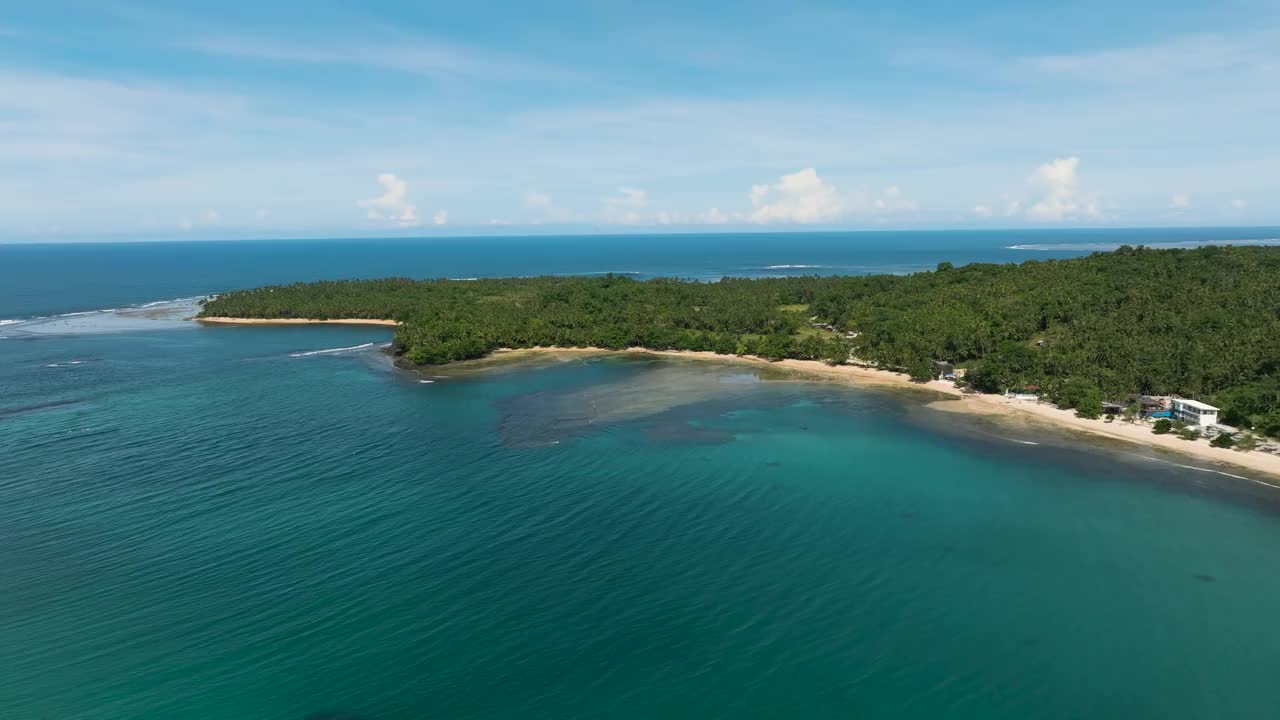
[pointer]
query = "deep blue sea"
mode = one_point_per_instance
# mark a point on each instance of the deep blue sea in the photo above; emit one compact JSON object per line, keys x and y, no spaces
{"x":275,"y":523}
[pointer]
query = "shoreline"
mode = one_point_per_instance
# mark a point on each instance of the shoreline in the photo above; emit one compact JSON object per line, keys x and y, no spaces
{"x":957,"y":401}
{"x":954,"y":400}
{"x":292,"y":321}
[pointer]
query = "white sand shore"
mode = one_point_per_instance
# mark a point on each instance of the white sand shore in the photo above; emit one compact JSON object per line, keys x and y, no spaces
{"x":1139,"y":433}
{"x":291,"y":321}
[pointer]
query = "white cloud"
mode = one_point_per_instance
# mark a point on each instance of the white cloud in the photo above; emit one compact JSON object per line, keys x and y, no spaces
{"x":186,"y":224}
{"x":714,"y":216}
{"x":801,"y":197}
{"x":631,"y":197}
{"x":1179,"y":201}
{"x":623,"y":209}
{"x":393,"y":204}
{"x":535,"y":200}
{"x":982,"y":211}
{"x":1239,"y":204}
{"x":1175,"y":58}
{"x":1059,"y":198}
{"x":440,"y":218}
{"x":262,"y":214}
{"x":892,"y":201}
{"x":389,"y":52}
{"x":212,"y":217}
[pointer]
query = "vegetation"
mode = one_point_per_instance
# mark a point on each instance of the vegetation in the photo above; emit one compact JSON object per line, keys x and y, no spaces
{"x":1223,"y":440}
{"x":1162,"y":427}
{"x":1201,"y":323}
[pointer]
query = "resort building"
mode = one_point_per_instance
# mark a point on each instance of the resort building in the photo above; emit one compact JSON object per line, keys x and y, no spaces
{"x":1194,"y":413}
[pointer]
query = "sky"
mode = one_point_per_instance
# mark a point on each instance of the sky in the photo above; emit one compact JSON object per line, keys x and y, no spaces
{"x":140,"y":120}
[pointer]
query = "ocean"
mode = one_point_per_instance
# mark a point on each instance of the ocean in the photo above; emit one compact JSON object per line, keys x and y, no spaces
{"x":275,"y":523}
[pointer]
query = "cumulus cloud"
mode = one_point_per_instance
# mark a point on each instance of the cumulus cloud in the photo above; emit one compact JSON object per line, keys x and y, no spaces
{"x":1059,"y":195}
{"x":393,"y":204}
{"x":1179,"y":201}
{"x":982,"y":211}
{"x":630,"y":197}
{"x":535,"y":200}
{"x":801,"y":197}
{"x":714,"y":216}
{"x":440,"y":218}
{"x":891,"y":200}
{"x":624,"y":207}
{"x":1239,"y":204}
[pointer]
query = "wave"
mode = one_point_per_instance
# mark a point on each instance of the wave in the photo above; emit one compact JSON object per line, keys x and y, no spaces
{"x":471,"y":279}
{"x":173,"y":301}
{"x":1172,"y":244}
{"x":182,"y":302}
{"x":793,"y":267}
{"x":330,"y":351}
{"x":1209,"y":470}
{"x":423,"y":382}
{"x":68,"y":363}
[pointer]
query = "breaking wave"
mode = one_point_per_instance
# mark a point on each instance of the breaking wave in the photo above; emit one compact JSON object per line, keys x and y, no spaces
{"x":1107,"y":246}
{"x":330,"y":351}
{"x":152,"y":315}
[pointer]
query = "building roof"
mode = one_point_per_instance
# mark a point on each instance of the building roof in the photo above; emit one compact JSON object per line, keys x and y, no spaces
{"x":1195,"y":404}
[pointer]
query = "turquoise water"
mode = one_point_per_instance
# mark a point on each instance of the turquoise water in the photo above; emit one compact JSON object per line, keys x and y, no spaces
{"x":224,"y":523}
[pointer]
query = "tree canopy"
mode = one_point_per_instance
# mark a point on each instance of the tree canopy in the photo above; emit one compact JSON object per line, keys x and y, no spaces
{"x":1202,"y":323}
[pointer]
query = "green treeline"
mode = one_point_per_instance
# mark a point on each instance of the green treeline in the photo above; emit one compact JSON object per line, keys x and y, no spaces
{"x":1201,"y":323}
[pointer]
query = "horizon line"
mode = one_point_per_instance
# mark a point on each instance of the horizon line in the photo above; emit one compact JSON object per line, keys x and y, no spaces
{"x":597,"y":232}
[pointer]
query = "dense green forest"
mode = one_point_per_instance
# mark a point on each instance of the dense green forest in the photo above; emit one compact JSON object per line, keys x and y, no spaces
{"x":1201,"y":323}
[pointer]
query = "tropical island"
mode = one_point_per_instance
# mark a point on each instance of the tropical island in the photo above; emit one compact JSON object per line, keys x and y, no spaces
{"x":1087,"y":334}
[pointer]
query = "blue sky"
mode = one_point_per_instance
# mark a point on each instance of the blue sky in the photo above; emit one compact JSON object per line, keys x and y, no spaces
{"x":242,"y":119}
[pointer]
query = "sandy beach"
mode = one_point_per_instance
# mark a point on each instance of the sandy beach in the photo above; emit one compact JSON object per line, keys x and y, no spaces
{"x":291,"y":321}
{"x":955,"y":401}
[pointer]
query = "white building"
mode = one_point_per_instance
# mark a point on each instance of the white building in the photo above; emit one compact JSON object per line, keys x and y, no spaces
{"x":1194,"y":413}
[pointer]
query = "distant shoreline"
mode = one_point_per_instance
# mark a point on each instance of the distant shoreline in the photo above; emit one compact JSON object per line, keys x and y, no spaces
{"x":292,"y":321}
{"x":957,"y":401}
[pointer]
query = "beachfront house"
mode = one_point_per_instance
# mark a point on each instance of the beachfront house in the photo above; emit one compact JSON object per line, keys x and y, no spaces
{"x":1193,"y":412}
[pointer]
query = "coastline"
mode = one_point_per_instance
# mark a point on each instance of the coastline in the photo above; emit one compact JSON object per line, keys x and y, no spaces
{"x":954,"y":400}
{"x":957,"y":401}
{"x":292,"y":321}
